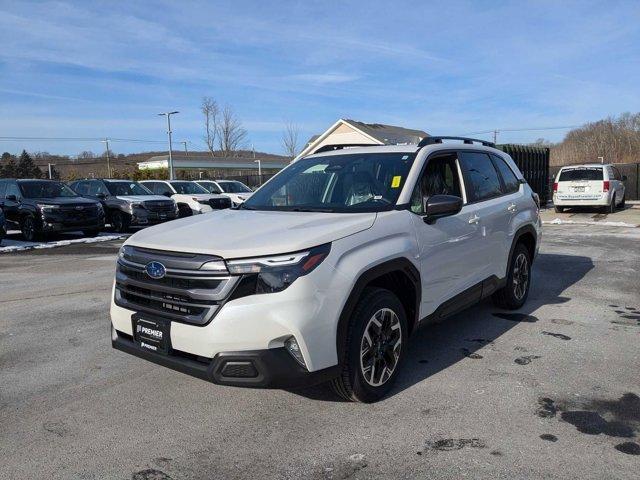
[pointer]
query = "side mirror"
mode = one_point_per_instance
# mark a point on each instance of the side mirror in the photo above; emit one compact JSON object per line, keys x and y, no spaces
{"x":439,"y":206}
{"x":167,"y":194}
{"x":101,"y":195}
{"x":12,"y":198}
{"x":624,"y":178}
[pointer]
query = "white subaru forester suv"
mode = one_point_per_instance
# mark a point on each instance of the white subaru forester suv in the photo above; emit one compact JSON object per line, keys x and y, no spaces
{"x":324,"y":273}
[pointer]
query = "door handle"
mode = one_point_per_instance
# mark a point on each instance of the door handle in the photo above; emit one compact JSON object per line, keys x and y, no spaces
{"x":474,"y":219}
{"x":512,"y":207}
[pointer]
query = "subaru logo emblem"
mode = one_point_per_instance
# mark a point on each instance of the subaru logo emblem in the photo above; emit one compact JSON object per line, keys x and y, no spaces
{"x":79,"y":207}
{"x":155,"y":270}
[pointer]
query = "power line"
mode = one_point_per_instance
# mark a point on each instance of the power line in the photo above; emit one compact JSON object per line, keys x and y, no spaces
{"x":522,"y":129}
{"x":82,"y":139}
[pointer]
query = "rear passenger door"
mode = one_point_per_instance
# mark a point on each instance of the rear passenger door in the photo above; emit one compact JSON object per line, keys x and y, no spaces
{"x":11,"y":207}
{"x":489,"y":208}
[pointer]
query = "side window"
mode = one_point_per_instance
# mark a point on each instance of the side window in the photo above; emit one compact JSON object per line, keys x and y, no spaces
{"x":92,"y":188}
{"x":616,"y":173}
{"x":164,"y":189}
{"x":511,"y":183}
{"x":150,"y":185}
{"x":482,"y":182}
{"x":12,"y":189}
{"x":440,"y":177}
{"x":80,"y":188}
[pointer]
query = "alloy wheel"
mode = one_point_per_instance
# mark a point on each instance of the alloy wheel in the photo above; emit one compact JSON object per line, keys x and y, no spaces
{"x":520,"y":276}
{"x":28,"y":229}
{"x":380,"y":347}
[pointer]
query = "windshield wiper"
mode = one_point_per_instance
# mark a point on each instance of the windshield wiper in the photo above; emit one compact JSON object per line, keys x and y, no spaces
{"x":310,"y":209}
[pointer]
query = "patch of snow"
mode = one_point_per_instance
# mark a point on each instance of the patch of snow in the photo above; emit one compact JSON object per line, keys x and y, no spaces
{"x":559,"y":221}
{"x":19,"y":246}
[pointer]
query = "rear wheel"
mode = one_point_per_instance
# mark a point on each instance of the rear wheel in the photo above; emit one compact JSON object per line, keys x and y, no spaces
{"x":513,"y":295}
{"x":559,"y":209}
{"x":376,"y":343}
{"x":612,"y":206}
{"x":622,"y":203}
{"x":120,"y":221}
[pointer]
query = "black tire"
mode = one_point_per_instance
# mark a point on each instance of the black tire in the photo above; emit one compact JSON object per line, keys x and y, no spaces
{"x":120,"y":221}
{"x":612,"y":207}
{"x":352,"y":384}
{"x":29,"y":229}
{"x":623,"y":202}
{"x":184,"y":210}
{"x":559,"y":209}
{"x":91,"y":233}
{"x":512,"y":296}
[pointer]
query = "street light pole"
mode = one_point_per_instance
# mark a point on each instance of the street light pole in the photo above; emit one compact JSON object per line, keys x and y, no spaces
{"x":601,"y":160}
{"x":50,"y":173}
{"x":259,"y":170}
{"x":106,"y":142}
{"x":168,"y":115}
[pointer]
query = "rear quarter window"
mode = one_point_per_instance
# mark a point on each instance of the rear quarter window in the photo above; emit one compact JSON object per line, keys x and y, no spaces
{"x":574,"y":174}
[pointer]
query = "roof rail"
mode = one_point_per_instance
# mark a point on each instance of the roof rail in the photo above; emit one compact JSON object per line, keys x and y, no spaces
{"x":328,"y":148}
{"x":438,"y":139}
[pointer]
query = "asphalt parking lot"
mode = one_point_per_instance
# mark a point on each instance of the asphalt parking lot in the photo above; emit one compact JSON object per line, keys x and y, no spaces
{"x":550,"y":391}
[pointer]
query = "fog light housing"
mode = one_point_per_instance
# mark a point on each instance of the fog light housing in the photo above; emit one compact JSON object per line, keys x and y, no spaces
{"x":291,"y":344}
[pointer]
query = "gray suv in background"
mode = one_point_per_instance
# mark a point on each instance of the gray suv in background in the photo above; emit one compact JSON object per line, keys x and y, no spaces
{"x":127,"y":203}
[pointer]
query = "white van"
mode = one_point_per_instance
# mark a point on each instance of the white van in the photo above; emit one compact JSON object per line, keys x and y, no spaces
{"x":589,"y":185}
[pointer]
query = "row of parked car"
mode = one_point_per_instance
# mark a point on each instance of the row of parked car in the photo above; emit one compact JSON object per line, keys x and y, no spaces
{"x":42,"y":207}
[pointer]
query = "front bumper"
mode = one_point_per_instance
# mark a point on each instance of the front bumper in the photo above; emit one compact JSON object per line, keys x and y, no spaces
{"x":49,"y":225}
{"x":268,"y":368}
{"x":151,"y":218}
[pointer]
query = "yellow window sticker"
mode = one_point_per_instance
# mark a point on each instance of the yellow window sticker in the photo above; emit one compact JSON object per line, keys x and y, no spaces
{"x":395,"y":181}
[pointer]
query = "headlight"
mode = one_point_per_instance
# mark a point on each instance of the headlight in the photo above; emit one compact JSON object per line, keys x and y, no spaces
{"x":274,"y":274}
{"x":124,"y":251}
{"x":136,"y":205}
{"x":47,"y":207}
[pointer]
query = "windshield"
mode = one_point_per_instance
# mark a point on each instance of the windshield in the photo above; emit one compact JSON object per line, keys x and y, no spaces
{"x":366,"y":182}
{"x":210,"y":187}
{"x":45,"y":190}
{"x":234,"y":187}
{"x":127,"y":188}
{"x":592,"y":173}
{"x":188,"y":188}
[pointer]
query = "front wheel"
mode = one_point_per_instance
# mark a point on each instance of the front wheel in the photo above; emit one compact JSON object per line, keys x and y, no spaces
{"x":120,"y":221}
{"x":513,"y":295}
{"x":376,"y":345}
{"x":28,"y":229}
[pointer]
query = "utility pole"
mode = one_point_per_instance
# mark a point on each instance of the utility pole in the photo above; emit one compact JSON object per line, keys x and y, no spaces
{"x":495,"y":136}
{"x":168,"y":115}
{"x":50,"y":174}
{"x":186,"y":152}
{"x":259,"y":170}
{"x":106,"y":142}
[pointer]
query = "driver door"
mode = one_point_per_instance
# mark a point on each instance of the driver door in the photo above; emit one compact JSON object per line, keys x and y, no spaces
{"x":448,"y":256}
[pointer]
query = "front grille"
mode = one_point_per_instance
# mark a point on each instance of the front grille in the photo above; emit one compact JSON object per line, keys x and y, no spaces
{"x":185,"y":294}
{"x":219,"y":203}
{"x":159,"y":206}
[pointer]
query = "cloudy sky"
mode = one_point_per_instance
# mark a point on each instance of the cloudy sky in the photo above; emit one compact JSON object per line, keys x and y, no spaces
{"x":105,"y":69}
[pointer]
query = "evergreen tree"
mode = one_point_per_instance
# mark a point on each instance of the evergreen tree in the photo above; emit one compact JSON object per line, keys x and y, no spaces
{"x":27,"y":168}
{"x":8,"y":168}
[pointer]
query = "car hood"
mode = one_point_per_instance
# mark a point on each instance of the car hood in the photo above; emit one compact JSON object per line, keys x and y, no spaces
{"x":248,"y":233}
{"x":65,"y":201}
{"x":141,"y":198}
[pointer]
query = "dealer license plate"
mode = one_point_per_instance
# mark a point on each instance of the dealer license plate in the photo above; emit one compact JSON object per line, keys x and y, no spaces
{"x":152,"y":335}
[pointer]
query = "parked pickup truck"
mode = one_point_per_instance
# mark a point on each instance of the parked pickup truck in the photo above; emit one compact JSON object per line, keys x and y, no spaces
{"x":326,"y":271}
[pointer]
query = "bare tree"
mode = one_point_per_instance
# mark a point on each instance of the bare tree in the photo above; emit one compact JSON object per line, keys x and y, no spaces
{"x":290,"y":139}
{"x":211,"y":113}
{"x":231,"y":134}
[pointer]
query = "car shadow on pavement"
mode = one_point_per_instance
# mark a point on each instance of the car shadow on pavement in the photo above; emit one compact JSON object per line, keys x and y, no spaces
{"x":435,"y":347}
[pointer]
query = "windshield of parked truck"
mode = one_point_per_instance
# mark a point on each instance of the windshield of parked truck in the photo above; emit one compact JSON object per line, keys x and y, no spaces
{"x":44,"y":189}
{"x":127,"y":188}
{"x":234,"y":187}
{"x":583,"y":173}
{"x":210,"y":187}
{"x":364,"y":182}
{"x":188,"y":188}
